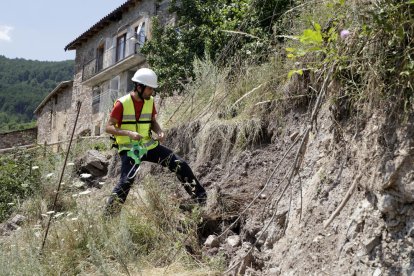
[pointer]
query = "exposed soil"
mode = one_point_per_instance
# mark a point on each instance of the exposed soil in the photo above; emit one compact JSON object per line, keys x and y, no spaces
{"x":373,"y":233}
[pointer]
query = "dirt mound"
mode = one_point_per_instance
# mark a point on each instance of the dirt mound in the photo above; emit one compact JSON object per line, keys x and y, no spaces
{"x":280,"y":222}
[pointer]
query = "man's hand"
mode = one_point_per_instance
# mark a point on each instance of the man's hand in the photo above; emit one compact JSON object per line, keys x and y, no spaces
{"x":161,"y":136}
{"x":112,"y":128}
{"x":134,"y":135}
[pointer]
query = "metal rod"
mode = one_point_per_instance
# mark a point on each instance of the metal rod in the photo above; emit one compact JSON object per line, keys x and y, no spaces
{"x":61,"y":176}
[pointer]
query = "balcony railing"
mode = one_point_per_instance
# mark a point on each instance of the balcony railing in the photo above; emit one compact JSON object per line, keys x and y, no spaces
{"x":103,"y":102}
{"x":111,"y":57}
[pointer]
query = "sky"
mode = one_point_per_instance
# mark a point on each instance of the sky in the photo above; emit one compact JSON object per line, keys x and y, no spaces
{"x":40,"y":29}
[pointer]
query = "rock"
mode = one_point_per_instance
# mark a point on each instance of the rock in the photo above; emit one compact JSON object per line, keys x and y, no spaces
{"x":242,"y":259}
{"x":212,"y":251}
{"x":377,"y":272}
{"x":293,"y":135}
{"x":355,"y":228}
{"x":233,"y":241}
{"x":317,"y":238}
{"x":326,"y":142}
{"x":18,"y":219}
{"x":12,"y":226}
{"x":94,"y":163}
{"x":371,"y":243}
{"x":410,"y":228}
{"x":274,"y":232}
{"x":274,"y":271}
{"x":212,"y":241}
{"x":398,"y":173}
{"x":386,"y":203}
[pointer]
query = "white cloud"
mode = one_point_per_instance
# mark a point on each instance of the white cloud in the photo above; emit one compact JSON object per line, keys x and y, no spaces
{"x":5,"y":32}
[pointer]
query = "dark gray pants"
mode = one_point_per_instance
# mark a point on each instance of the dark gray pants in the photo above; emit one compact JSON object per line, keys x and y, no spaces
{"x":165,"y":157}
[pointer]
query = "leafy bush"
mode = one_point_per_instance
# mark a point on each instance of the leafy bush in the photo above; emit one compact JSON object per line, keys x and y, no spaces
{"x":18,"y":181}
{"x":226,"y":31}
{"x":370,"y":58}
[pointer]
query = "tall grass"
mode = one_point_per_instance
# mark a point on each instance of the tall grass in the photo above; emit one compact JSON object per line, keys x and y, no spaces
{"x":151,"y":233}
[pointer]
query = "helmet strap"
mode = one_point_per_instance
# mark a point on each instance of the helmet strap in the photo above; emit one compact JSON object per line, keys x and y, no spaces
{"x":139,"y":88}
{"x":140,"y":95}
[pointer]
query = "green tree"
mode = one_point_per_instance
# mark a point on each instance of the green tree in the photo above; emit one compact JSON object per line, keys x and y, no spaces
{"x":221,"y":29}
{"x":24,"y":84}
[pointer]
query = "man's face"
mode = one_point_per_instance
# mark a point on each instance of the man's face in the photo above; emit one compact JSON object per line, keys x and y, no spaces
{"x":147,"y":92}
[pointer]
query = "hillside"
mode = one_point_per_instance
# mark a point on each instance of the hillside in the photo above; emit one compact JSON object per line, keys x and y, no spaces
{"x":306,"y":156}
{"x":24,"y":84}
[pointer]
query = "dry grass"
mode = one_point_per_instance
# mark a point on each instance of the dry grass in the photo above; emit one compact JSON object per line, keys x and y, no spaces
{"x":149,"y":231}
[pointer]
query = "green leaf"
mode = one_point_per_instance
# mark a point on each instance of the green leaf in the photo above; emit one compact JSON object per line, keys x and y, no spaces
{"x":290,"y":49}
{"x":291,"y":72}
{"x":311,"y":37}
{"x":317,"y":27}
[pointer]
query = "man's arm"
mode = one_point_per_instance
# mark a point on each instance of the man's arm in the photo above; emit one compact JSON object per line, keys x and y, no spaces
{"x":157,"y":129}
{"x":111,"y":128}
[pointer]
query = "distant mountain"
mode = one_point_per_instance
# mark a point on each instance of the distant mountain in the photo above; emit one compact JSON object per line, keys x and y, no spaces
{"x":23,"y":85}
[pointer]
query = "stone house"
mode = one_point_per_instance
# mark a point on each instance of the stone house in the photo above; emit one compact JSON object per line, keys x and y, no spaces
{"x":107,"y":56}
{"x":53,"y":113}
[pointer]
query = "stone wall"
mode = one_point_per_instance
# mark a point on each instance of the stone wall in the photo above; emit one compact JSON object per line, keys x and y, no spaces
{"x":53,"y":120}
{"x":18,"y":138}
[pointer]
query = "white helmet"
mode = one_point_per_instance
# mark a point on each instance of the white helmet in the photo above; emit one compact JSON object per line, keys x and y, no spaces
{"x":146,"y":77}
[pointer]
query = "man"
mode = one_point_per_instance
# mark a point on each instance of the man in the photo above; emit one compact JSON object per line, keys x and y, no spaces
{"x":132,"y":119}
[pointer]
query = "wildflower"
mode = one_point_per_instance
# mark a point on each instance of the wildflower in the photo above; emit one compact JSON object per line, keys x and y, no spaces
{"x":58,"y":215}
{"x":344,"y":34}
{"x":85,"y":175}
{"x":49,"y":175}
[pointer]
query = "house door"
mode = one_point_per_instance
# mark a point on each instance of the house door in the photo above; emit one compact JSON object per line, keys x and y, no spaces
{"x":114,"y":88}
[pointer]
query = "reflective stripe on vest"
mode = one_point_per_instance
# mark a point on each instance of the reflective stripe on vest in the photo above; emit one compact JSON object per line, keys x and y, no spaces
{"x":143,"y":126}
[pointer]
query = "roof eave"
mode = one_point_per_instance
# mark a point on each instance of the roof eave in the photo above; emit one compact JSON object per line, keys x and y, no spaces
{"x":58,"y":88}
{"x":111,"y":17}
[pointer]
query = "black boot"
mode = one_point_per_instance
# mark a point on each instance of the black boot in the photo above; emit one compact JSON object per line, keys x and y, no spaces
{"x":113,"y":207}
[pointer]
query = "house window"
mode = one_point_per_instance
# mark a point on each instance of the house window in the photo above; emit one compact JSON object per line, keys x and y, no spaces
{"x":140,"y":35}
{"x":99,"y":57}
{"x":96,"y":100}
{"x":120,"y":47}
